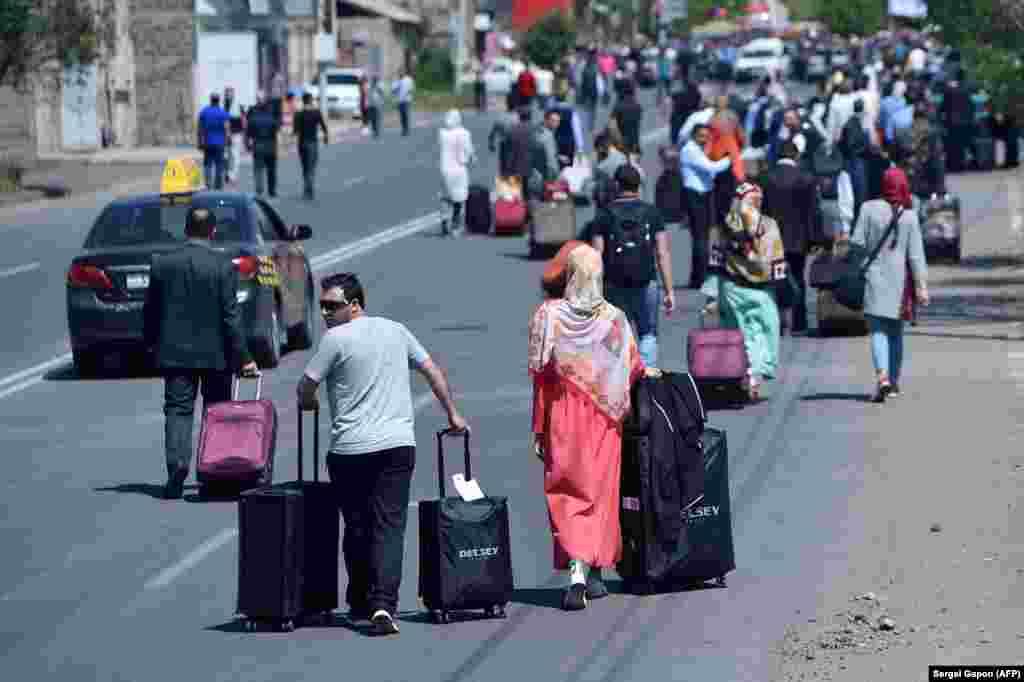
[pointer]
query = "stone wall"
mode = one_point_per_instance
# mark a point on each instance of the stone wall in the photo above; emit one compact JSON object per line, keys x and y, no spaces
{"x":16,"y":140}
{"x":163,"y":37}
{"x":380,"y":31}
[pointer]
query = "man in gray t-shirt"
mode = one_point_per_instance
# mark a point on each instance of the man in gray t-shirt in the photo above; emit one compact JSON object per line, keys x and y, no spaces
{"x":364,"y":362}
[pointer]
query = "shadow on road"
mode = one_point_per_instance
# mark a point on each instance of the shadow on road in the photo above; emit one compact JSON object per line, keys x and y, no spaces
{"x":149,"y":489}
{"x":111,"y":368}
{"x":543,"y":597}
{"x":851,"y":397}
{"x":965,"y":337}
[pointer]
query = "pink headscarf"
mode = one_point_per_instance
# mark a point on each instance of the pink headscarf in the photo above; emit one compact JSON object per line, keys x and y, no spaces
{"x":587,"y":340}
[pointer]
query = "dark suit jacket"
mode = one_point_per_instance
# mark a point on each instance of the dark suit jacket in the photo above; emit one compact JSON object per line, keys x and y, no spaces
{"x":191,"y":312}
{"x":790,"y":197}
{"x":516,"y":153}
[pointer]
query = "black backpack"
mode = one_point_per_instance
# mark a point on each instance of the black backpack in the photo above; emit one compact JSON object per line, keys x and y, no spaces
{"x":826,"y":165}
{"x":628,"y":252}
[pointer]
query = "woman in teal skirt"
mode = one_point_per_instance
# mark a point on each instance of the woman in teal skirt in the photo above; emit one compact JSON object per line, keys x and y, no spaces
{"x":748,"y":262}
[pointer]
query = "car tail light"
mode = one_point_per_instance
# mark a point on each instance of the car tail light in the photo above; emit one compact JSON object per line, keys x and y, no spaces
{"x":246,"y":266}
{"x":88,"y":277}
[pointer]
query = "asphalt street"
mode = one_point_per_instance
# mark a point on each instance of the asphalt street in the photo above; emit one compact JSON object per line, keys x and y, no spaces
{"x":102,"y":580}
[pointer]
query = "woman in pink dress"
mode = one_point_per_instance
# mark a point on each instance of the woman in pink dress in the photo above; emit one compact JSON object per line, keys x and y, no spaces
{"x":584,"y":360}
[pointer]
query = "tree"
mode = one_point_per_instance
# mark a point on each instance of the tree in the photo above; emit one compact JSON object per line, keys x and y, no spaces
{"x":848,"y":17}
{"x":549,"y":40}
{"x":35,"y":34}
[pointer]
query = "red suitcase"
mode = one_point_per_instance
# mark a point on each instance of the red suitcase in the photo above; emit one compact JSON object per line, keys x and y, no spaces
{"x":717,"y":361}
{"x":237,"y":441}
{"x":509,"y":217}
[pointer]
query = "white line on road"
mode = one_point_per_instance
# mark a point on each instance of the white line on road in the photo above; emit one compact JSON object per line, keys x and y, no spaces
{"x":171,"y":573}
{"x":17,"y":270}
{"x":351,"y":182}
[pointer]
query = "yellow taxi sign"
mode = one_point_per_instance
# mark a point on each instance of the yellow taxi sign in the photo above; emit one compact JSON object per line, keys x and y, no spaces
{"x":181,"y":175}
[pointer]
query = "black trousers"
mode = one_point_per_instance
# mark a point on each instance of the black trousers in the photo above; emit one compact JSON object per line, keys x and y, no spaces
{"x":699,"y":207}
{"x":373,"y":494}
{"x":725,"y":190}
{"x":403,"y":116}
{"x":180,"y":390}
{"x":797,"y":263}
{"x":309,"y":154}
{"x":265,"y":165}
{"x":373,"y":114}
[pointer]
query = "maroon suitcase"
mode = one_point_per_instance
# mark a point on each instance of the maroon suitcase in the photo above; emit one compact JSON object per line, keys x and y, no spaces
{"x":237,"y":441}
{"x":717,"y":361}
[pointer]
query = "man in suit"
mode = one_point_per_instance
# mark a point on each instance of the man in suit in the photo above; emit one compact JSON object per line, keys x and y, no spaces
{"x":193,"y":321}
{"x":790,"y":198}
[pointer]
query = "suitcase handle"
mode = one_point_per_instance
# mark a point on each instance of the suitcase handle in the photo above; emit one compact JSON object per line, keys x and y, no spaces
{"x":316,"y":443}
{"x":440,"y":457}
{"x":236,"y":383}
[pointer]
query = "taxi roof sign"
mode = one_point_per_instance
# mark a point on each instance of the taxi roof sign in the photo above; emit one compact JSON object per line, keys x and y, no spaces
{"x":181,"y":175}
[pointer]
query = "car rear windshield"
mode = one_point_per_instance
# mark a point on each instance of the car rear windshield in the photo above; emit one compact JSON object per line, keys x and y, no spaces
{"x":342,"y":79}
{"x":160,"y":220}
{"x":759,"y":54}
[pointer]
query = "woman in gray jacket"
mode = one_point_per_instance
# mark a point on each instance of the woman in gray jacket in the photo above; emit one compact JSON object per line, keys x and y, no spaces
{"x":887,"y":275}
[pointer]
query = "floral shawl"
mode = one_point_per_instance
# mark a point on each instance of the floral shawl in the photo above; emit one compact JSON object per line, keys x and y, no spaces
{"x":588,"y":341}
{"x":749,"y":248}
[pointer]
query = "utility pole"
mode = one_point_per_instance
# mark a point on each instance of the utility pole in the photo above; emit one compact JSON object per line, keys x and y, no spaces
{"x":457,"y":37}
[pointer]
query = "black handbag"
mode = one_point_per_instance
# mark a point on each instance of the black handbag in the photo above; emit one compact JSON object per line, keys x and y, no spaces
{"x":852,"y":281}
{"x":787,"y":291}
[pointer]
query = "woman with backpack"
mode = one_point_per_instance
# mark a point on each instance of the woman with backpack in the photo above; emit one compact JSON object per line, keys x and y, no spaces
{"x":891,"y":225}
{"x":748,"y":262}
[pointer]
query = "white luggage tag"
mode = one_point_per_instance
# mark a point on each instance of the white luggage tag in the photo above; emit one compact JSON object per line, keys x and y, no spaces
{"x":468,"y":490}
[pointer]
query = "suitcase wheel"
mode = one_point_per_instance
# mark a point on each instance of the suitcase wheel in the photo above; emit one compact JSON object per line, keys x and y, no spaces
{"x":496,"y":611}
{"x":249,"y":625}
{"x":441,"y":617}
{"x":719,"y":581}
{"x":286,"y":626}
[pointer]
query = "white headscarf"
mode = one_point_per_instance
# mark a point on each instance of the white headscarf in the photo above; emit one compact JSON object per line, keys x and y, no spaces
{"x":453,"y":119}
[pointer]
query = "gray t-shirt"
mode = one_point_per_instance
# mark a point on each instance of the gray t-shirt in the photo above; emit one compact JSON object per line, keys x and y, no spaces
{"x":364,"y":366}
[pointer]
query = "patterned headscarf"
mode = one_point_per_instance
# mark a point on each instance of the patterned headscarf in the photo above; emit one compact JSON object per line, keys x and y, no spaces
{"x":749,"y":248}
{"x":588,"y":341}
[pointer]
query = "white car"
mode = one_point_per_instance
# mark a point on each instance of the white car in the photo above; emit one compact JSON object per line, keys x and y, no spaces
{"x":500,"y":74}
{"x":342,"y":91}
{"x":760,"y":57}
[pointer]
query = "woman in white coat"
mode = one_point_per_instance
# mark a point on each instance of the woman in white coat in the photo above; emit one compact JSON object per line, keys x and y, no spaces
{"x":457,"y":154}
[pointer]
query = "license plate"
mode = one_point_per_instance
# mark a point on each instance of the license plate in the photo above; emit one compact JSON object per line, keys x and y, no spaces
{"x":137,"y":281}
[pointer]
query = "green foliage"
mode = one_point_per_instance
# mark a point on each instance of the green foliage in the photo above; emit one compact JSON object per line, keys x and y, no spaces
{"x":35,"y":33}
{"x":549,"y":40}
{"x":848,"y":17}
{"x":434,"y":69}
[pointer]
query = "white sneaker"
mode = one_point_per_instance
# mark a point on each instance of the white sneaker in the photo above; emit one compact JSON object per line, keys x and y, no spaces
{"x":383,"y":623}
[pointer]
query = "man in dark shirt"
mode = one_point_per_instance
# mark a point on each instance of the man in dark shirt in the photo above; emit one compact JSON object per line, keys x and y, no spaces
{"x":192,"y":319}
{"x":686,"y":99}
{"x":628,"y":115}
{"x":261,"y":140}
{"x":790,"y":197}
{"x":515,"y":154}
{"x":307,"y":122}
{"x":631,"y":236}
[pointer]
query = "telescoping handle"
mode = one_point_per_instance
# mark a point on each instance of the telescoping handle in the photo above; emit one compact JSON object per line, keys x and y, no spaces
{"x":316,"y":442}
{"x":236,"y":382}
{"x":440,"y":456}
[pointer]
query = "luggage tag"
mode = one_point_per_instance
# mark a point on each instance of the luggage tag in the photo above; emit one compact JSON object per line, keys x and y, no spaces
{"x":469,"y":490}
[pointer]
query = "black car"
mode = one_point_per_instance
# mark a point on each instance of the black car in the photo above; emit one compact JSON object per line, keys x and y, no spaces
{"x":106,"y":284}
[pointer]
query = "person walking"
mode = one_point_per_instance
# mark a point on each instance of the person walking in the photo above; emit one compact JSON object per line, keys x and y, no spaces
{"x":192,"y":320}
{"x":628,"y":115}
{"x":583,"y":360}
{"x":457,"y":153}
{"x":791,"y":199}
{"x":686,"y":100}
{"x":261,"y":140}
{"x":403,"y":91}
{"x":374,"y":104}
{"x":307,"y":123}
{"x":699,"y":181}
{"x":630,"y":235}
{"x":233,"y":142}
{"x":214,"y":130}
{"x":748,"y":262}
{"x":364,"y":361}
{"x":590,"y":91}
{"x":726,"y":140}
{"x":854,"y":146}
{"x":892,"y":223}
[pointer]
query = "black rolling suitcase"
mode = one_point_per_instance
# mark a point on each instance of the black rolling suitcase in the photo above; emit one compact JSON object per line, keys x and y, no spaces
{"x":984,"y":151}
{"x":704,"y":550}
{"x":478,"y":210}
{"x":465,"y":550}
{"x":288,"y":549}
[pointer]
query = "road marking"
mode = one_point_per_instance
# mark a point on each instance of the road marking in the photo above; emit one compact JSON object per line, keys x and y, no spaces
{"x":351,"y":182}
{"x":17,"y":270}
{"x":27,"y":378}
{"x":172,"y":572}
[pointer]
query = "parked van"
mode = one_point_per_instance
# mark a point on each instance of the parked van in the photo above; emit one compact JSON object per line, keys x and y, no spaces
{"x":760,"y":57}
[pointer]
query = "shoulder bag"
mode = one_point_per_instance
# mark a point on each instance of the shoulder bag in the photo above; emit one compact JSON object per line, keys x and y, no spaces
{"x":851,"y":282}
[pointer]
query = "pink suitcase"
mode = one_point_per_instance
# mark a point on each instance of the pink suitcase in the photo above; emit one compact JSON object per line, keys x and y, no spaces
{"x":237,"y":442}
{"x":717,"y":360}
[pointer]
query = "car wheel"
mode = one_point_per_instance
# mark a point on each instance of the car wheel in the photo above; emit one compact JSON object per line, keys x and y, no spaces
{"x":87,"y":363}
{"x":270,"y":344}
{"x":305,"y":332}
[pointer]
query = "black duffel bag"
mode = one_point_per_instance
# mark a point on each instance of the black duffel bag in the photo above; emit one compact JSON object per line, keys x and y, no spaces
{"x":851,"y":276}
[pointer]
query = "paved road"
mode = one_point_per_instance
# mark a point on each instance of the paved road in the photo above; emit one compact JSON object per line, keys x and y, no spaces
{"x":101,"y":580}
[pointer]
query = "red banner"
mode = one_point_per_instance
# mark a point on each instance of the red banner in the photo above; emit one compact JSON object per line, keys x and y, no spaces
{"x":526,"y":13}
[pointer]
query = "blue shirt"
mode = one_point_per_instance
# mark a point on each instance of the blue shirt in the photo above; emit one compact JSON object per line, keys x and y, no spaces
{"x":698,"y":170}
{"x":901,"y":119}
{"x":211,"y":123}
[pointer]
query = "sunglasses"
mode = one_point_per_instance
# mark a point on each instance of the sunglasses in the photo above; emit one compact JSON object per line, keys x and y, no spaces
{"x":332,"y":306}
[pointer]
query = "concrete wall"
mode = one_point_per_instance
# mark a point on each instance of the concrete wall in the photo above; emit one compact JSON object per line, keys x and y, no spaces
{"x":163,"y":37}
{"x":381,"y":32}
{"x":16,"y":139}
{"x":301,"y":50}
